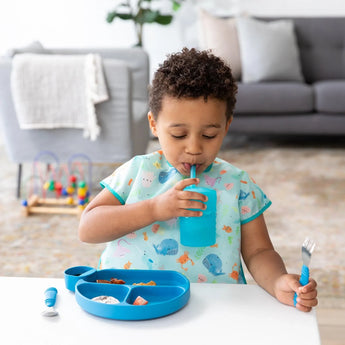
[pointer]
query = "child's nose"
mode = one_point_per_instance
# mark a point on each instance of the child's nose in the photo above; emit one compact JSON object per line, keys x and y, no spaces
{"x":194,"y":146}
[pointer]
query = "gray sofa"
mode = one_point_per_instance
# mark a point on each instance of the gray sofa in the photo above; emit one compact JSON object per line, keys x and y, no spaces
{"x":316,"y":106}
{"x":123,"y":118}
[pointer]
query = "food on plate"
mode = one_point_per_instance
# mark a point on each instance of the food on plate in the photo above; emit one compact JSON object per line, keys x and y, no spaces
{"x":117,"y":281}
{"x":140,"y":301}
{"x":150,"y":283}
{"x":111,"y":281}
{"x":106,"y":299}
{"x":103,"y":281}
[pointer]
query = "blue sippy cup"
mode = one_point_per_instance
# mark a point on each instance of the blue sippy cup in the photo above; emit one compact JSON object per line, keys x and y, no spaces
{"x":200,"y":231}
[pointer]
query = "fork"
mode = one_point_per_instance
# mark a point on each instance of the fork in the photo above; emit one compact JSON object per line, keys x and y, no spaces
{"x":308,"y":247}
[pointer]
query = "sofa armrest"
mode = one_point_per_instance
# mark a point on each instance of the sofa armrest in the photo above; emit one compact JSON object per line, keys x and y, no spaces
{"x":136,"y":59}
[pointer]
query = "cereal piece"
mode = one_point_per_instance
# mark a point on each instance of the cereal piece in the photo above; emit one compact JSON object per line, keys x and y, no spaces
{"x":117,"y":281}
{"x":111,"y":281}
{"x":103,"y":281}
{"x":150,"y":283}
{"x":140,"y":301}
{"x":106,"y":299}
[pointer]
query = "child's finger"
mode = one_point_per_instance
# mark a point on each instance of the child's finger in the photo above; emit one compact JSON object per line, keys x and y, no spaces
{"x":188,"y":195}
{"x":189,"y":213}
{"x":181,"y":185}
{"x":307,"y":302}
{"x":192,"y":204}
{"x":293,"y":282}
{"x":302,"y":307}
{"x":307,"y":288}
{"x":309,"y":296}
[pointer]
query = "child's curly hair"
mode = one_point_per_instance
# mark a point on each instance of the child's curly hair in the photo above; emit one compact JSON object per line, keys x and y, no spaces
{"x":193,"y":74}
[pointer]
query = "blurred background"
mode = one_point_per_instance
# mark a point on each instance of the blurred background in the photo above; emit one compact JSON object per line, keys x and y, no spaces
{"x":82,"y":23}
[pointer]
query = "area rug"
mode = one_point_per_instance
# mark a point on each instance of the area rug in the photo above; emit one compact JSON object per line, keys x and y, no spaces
{"x":305,"y":179}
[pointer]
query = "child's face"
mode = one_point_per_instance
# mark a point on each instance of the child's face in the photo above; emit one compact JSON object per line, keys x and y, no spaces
{"x":190,"y":131}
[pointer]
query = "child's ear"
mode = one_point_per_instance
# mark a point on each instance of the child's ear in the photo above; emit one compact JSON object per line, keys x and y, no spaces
{"x":152,"y":123}
{"x":228,"y":123}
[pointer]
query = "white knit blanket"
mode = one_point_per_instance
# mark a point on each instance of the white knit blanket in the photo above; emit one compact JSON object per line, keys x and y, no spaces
{"x":54,"y":91}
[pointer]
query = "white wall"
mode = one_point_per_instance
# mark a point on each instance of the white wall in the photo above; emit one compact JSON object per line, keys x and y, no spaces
{"x":81,"y":23}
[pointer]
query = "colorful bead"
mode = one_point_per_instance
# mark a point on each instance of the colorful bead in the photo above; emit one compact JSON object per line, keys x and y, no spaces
{"x":82,"y":192}
{"x":58,"y":192}
{"x":72,"y":178}
{"x":51,"y":185}
{"x":58,"y":186}
{"x":70,"y":200}
{"x":70,"y":190}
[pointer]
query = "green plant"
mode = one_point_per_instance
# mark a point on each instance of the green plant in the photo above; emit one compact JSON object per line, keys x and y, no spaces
{"x":142,"y":12}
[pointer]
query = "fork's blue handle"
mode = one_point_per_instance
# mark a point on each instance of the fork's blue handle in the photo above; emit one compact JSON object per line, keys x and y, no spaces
{"x":304,"y":280}
{"x":50,"y":296}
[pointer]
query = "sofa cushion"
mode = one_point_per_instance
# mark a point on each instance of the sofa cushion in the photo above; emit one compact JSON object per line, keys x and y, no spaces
{"x":321,"y":44}
{"x":274,"y":98}
{"x":330,"y":96}
{"x":268,"y":50}
{"x":220,"y":35}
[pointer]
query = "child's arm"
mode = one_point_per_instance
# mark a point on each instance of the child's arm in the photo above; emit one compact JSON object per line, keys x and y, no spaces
{"x":268,"y":269}
{"x":106,"y":219}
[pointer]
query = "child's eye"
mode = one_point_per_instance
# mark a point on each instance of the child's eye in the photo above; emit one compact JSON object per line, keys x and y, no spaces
{"x":209,"y":136}
{"x":178,"y":136}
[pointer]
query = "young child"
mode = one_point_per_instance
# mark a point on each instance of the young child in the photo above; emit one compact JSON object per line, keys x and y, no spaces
{"x":192,"y":99}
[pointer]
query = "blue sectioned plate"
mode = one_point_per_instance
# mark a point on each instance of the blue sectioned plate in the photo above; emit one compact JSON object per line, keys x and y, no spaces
{"x":171,"y":292}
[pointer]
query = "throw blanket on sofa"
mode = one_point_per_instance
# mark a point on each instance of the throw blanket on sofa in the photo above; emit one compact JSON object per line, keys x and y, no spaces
{"x":54,"y":91}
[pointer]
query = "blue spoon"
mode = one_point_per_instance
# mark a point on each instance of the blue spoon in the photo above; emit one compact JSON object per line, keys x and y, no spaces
{"x":49,"y":300}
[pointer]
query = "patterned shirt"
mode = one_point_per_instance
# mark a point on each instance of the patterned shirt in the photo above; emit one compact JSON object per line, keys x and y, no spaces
{"x":157,"y":246}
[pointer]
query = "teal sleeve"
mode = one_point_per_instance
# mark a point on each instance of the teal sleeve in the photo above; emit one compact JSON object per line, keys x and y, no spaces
{"x":120,"y":182}
{"x":252,"y":200}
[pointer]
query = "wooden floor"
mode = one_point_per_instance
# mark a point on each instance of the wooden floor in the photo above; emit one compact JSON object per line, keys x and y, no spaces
{"x":331,"y":326}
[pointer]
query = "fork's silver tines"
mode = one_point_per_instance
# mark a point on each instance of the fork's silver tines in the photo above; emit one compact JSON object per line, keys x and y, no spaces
{"x":307,"y":248}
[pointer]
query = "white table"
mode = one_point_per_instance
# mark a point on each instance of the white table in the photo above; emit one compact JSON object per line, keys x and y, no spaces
{"x":215,"y":313}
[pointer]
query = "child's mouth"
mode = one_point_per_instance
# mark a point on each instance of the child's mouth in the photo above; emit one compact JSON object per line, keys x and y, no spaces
{"x":187,"y":167}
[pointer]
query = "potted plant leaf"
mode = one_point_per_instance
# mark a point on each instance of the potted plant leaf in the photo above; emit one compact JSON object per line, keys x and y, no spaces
{"x":142,"y":12}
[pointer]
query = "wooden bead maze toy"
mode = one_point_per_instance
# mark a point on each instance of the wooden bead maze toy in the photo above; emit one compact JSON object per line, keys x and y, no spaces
{"x":58,"y":189}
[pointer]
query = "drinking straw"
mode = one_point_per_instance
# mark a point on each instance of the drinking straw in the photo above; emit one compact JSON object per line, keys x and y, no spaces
{"x":193,"y":171}
{"x":193,"y":174}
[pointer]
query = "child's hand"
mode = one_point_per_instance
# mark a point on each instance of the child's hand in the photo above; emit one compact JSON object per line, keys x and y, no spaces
{"x":286,"y":286}
{"x":175,"y":202}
